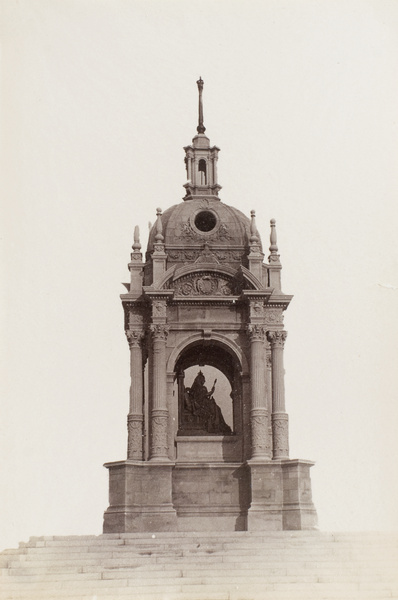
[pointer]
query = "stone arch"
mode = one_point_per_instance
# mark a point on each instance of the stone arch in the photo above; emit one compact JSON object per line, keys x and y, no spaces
{"x":224,"y":357}
{"x":217,"y":338}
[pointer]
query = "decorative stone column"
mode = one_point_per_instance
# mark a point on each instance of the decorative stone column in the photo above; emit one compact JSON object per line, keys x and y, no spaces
{"x":159,"y":413}
{"x":280,"y":425}
{"x":135,"y":417}
{"x":215,"y":159}
{"x":268,"y":384}
{"x":261,"y":449}
{"x":180,"y":392}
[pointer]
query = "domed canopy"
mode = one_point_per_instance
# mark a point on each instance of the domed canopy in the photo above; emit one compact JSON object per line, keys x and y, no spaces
{"x":194,"y":223}
{"x":202,"y":229}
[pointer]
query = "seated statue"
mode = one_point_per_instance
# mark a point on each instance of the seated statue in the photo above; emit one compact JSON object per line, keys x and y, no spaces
{"x":201,"y":404}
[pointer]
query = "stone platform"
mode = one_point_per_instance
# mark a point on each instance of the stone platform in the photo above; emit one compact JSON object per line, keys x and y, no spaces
{"x":209,"y":496}
{"x":213,"y":566}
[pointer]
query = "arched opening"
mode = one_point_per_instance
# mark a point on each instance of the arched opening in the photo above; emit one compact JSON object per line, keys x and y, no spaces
{"x":202,"y":168}
{"x":208,"y":388}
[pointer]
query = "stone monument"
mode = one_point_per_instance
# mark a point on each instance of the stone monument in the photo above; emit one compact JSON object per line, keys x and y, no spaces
{"x":203,"y":303}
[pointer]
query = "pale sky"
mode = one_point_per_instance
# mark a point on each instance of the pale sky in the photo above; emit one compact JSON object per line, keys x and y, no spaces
{"x":98,"y":99}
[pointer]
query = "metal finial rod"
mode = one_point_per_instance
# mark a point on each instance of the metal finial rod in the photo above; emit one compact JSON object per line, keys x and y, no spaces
{"x":200,"y":128}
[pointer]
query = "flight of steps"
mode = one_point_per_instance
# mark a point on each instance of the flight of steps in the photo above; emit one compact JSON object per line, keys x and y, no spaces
{"x":283,"y":565}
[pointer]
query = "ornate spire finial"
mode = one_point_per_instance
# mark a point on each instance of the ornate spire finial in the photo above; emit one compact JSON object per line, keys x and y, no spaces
{"x":200,"y":128}
{"x":136,"y":246}
{"x":159,"y":226}
{"x":253,"y":228}
{"x":274,"y":256}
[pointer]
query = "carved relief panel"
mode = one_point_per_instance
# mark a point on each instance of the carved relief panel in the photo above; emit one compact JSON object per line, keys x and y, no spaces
{"x":206,"y":284}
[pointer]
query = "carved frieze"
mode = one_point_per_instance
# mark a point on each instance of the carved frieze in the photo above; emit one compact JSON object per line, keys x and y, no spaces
{"x":189,"y":232}
{"x":205,"y":284}
{"x":207,"y":256}
{"x":221,"y":256}
{"x":274,"y":316}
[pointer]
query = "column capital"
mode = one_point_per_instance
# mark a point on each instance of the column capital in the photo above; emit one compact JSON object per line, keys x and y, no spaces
{"x":160,"y":331}
{"x":256,"y":332}
{"x":135,"y":337}
{"x":277,"y":338}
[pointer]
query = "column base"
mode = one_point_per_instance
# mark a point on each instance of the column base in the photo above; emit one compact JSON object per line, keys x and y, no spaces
{"x":140,"y":498}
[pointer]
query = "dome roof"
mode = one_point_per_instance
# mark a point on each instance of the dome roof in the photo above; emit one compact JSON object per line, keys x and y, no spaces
{"x":196,"y":222}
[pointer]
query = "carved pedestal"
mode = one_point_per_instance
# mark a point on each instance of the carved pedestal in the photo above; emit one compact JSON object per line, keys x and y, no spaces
{"x":281,"y":496}
{"x":140,"y":498}
{"x":298,"y":509}
{"x":265,"y":512}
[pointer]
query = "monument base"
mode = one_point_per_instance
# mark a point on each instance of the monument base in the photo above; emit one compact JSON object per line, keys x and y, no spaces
{"x":215,"y":496}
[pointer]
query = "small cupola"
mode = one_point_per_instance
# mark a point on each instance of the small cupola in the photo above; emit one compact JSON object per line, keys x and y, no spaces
{"x":201,"y":161}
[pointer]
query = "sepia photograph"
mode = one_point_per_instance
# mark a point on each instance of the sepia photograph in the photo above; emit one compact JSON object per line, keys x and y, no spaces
{"x":199,"y":299}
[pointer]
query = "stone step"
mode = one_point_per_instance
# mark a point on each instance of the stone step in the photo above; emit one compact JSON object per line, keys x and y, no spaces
{"x":281,"y":537}
{"x":204,"y":578}
{"x":226,"y":566}
{"x":200,"y":546}
{"x":252,"y":593}
{"x":117,"y":545}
